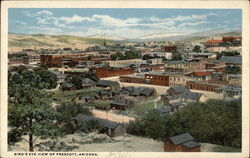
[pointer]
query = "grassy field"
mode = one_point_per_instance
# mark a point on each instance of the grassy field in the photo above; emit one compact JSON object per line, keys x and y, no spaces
{"x":68,"y":95}
{"x":142,"y":106}
{"x":219,"y":148}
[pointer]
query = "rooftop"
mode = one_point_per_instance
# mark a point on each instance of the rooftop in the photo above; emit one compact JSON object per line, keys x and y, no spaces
{"x":232,"y":59}
{"x":182,"y":138}
{"x":103,"y":122}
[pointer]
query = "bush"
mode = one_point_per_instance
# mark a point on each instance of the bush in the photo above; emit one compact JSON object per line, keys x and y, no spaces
{"x":216,"y":121}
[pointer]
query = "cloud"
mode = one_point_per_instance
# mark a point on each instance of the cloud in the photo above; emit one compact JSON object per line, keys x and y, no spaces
{"x":74,"y":19}
{"x":193,"y":23}
{"x":20,"y":22}
{"x":42,"y":13}
{"x":130,"y":27}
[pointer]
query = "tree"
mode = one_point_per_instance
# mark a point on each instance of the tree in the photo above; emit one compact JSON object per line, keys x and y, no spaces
{"x":146,"y":57}
{"x":76,"y":80}
{"x":218,"y":55}
{"x":117,"y":56}
{"x":176,"y":56}
{"x":197,"y":48}
{"x":47,"y":77}
{"x":65,"y":113}
{"x":32,"y":114}
{"x":39,"y":78}
{"x":233,"y":69}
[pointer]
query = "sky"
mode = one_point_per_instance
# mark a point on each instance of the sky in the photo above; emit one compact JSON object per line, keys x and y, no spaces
{"x":125,"y":23}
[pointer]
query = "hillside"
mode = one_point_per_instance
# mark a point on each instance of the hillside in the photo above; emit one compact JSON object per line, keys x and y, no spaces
{"x":217,"y":35}
{"x":17,"y":42}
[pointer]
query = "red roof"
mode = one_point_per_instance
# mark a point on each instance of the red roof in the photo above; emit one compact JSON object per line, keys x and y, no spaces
{"x":214,"y":41}
{"x":200,"y":74}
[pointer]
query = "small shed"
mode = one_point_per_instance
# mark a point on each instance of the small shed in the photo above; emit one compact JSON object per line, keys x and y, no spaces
{"x":111,"y":85}
{"x":87,"y":83}
{"x":108,"y":127}
{"x":181,"y":143}
{"x":121,"y":103}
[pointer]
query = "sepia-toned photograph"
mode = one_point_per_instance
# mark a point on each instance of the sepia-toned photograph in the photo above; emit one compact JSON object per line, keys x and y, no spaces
{"x":125,"y":79}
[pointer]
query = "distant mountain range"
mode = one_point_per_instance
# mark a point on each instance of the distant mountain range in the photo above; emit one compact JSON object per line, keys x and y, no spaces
{"x":198,"y":35}
{"x":18,"y":42}
{"x":168,"y":36}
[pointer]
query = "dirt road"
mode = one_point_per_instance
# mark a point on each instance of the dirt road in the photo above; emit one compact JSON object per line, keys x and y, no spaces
{"x":111,"y":116}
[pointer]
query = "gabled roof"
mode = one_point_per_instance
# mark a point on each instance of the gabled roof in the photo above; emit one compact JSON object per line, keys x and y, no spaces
{"x":176,"y":104}
{"x":87,"y":81}
{"x":191,"y":144}
{"x":172,"y":97}
{"x":182,"y":138}
{"x":69,"y":85}
{"x":103,"y":122}
{"x":107,"y":83}
{"x":192,"y":95}
{"x":214,"y":41}
{"x":232,"y":59}
{"x":180,"y":89}
{"x":59,"y":75}
{"x":122,"y":101}
{"x":163,"y":109}
{"x":107,"y":123}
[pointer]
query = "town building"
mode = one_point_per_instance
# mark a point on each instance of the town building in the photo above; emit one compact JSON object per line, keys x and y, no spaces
{"x":232,"y":60}
{"x":177,"y":79}
{"x":104,"y":72}
{"x":133,"y":79}
{"x":157,"y":79}
{"x":119,"y":63}
{"x":136,"y":91}
{"x":151,"y":67}
{"x":88,"y":83}
{"x":169,"y":48}
{"x":163,"y":110}
{"x":204,"y":86}
{"x":110,"y":85}
{"x":60,"y":76}
{"x":121,"y":103}
{"x":108,"y":127}
{"x":162,"y":54}
{"x":214,"y":43}
{"x":181,"y":143}
{"x":155,"y":61}
{"x":200,"y":75}
{"x":232,"y":90}
{"x":178,"y":97}
{"x":66,"y":60}
{"x":184,"y":67}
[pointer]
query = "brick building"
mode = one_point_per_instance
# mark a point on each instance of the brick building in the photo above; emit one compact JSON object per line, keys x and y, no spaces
{"x":204,"y":86}
{"x":200,"y":75}
{"x":60,"y":60}
{"x":104,"y":72}
{"x":157,"y":79}
{"x":132,"y":79}
{"x":231,"y":38}
{"x":170,"y":48}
